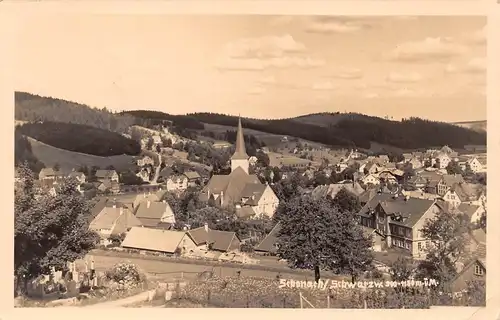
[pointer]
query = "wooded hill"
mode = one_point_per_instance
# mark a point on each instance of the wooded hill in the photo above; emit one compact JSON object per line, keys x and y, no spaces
{"x":334,"y":129}
{"x":81,"y":138}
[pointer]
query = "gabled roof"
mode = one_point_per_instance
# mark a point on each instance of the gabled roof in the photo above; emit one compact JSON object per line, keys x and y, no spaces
{"x":412,"y":209}
{"x":465,"y":191}
{"x":153,"y":239}
{"x":253,"y":191}
{"x":104,"y":173}
{"x":268,"y":243}
{"x":76,"y":174}
{"x":152,"y":215}
{"x":244,"y":212}
{"x":479,"y":235}
{"x":375,"y":198}
{"x":192,"y":175}
{"x":47,"y":172}
{"x":220,"y":240}
{"x":332,"y":189}
{"x":108,"y":216}
{"x":451,"y":179}
{"x":468,"y":209}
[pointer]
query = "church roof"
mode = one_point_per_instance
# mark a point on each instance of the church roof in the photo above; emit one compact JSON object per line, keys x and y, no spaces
{"x":240,"y":152}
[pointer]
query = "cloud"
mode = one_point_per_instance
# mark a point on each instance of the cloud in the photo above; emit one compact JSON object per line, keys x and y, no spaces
{"x":474,"y":65}
{"x":348,"y":74}
{"x":325,"y":85}
{"x":253,"y":54}
{"x":265,"y":47}
{"x":478,"y":37}
{"x":429,"y":49}
{"x":336,"y":25}
{"x":397,"y":77}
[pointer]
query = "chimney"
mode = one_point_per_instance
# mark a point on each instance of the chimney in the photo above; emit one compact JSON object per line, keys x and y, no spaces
{"x":148,"y":204}
{"x":221,"y":198}
{"x":206,"y":227}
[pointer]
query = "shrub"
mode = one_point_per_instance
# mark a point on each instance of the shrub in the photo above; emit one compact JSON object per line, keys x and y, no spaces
{"x":125,"y":274}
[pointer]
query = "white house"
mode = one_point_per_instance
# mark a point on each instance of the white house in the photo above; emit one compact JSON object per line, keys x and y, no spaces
{"x":177,"y":183}
{"x":474,"y":165}
{"x":371,"y":179}
{"x":444,"y":159}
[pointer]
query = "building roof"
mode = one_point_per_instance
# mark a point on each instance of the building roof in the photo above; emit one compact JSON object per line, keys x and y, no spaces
{"x":231,"y":185}
{"x":479,"y":235}
{"x":47,"y":172}
{"x":465,"y":191}
{"x":76,"y":174}
{"x":268,"y":243}
{"x":253,"y":191}
{"x":411,"y":209}
{"x":244,"y":212}
{"x":332,"y":189}
{"x":220,"y":240}
{"x":192,"y":175}
{"x":104,"y":173}
{"x":451,"y":179}
{"x":153,"y":239}
{"x":468,"y":209}
{"x":240,"y":152}
{"x":108,"y":216}
{"x":150,"y":212}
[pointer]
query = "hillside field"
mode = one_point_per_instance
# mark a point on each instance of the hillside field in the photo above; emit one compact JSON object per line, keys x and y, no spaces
{"x":473,"y":125}
{"x":68,"y":160}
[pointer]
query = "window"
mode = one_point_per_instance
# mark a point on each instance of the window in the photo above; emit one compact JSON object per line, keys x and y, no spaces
{"x":393,"y":242}
{"x":419,"y":246}
{"x":478,"y":270}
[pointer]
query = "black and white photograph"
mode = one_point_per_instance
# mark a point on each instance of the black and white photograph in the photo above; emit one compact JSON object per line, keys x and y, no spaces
{"x":250,"y":161}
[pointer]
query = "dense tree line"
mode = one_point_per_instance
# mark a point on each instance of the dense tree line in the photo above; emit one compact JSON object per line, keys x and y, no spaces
{"x":81,"y":138}
{"x":24,"y":154}
{"x":32,"y":108}
{"x":360,"y":130}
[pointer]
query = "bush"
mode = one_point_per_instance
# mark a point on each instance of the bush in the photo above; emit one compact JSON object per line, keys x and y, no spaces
{"x":125,"y":274}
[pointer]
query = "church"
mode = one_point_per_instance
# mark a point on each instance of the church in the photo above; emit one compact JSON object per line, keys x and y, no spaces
{"x":240,"y":190}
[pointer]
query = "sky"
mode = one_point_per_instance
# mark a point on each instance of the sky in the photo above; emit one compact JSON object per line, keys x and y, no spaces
{"x":432,"y":67}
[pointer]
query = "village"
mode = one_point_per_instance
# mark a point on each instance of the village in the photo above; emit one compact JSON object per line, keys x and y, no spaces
{"x":397,"y":195}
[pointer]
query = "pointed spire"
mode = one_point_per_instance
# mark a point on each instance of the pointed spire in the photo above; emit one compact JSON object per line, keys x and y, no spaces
{"x":240,"y":150}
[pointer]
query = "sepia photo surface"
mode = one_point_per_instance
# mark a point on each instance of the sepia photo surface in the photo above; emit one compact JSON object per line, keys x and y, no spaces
{"x":250,"y":161}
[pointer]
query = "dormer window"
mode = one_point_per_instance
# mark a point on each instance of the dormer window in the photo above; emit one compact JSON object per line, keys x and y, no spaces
{"x":478,"y":270}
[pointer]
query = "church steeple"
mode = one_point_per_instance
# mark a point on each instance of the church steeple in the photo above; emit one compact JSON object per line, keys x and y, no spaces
{"x":240,"y":156}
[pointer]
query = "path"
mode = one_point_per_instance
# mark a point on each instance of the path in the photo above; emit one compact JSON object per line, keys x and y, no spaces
{"x":157,"y":170}
{"x":143,"y":296}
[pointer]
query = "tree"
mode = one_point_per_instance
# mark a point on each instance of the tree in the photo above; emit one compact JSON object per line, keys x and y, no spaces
{"x":447,"y":234}
{"x":150,"y":143}
{"x":110,"y":167}
{"x":320,"y":179}
{"x":49,"y":230}
{"x":56,"y":167}
{"x":454,"y":168}
{"x":317,"y":235}
{"x":402,"y":269}
{"x":346,"y":201}
{"x":262,"y":159}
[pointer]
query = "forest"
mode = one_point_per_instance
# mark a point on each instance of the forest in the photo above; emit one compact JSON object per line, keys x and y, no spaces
{"x":81,"y":138}
{"x":24,"y":154}
{"x":333,"y":129}
{"x":33,"y":108}
{"x":360,"y":130}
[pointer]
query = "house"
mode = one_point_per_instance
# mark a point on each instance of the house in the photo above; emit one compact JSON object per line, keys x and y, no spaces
{"x":78,"y":176}
{"x":469,"y":193}
{"x":113,"y":220}
{"x":142,"y":198}
{"x":420,"y":195}
{"x":260,"y":198}
{"x":372,"y":168}
{"x":177,"y":183}
{"x":473,"y":270}
{"x":474,"y":165}
{"x":146,"y":160}
{"x":165,"y":173}
{"x":208,"y":239}
{"x":157,"y":240}
{"x":452,"y":198}
{"x":387,"y":177}
{"x":107,"y":175}
{"x":47,"y":173}
{"x":443,"y":159}
{"x":143,"y":174}
{"x":331,"y":190}
{"x":447,"y":181}
{"x":193,"y":177}
{"x":268,"y":245}
{"x":400,"y":220}
{"x":371,"y":179}
{"x":416,"y":163}
{"x":230,"y":191}
{"x":157,"y":140}
{"x":383,"y":159}
{"x":417,"y":182}
{"x":221,"y":145}
{"x":151,"y":214}
{"x":108,"y":186}
{"x":472,"y":211}
{"x":378,"y":239}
